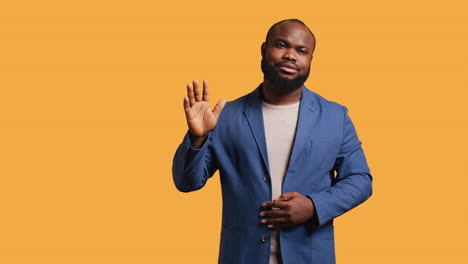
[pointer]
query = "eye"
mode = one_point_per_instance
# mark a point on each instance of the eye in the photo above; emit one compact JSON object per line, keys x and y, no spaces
{"x":303,"y":51}
{"x":280,"y":45}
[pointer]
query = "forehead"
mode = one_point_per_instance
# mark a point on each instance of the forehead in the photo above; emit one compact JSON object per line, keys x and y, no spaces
{"x":292,"y":32}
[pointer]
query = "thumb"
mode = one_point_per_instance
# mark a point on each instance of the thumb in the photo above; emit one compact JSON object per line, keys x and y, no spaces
{"x":286,"y":196}
{"x":219,"y":107}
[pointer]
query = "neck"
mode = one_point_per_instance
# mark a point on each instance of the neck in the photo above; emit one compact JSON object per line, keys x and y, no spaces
{"x":275,"y":96}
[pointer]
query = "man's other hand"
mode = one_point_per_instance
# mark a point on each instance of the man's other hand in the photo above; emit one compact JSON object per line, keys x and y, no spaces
{"x":288,"y":210}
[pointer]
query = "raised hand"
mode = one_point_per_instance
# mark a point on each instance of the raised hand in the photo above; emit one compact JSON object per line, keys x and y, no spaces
{"x":200,"y":118}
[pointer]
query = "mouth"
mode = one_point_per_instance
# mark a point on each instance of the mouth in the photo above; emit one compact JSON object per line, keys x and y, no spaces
{"x":288,"y":67}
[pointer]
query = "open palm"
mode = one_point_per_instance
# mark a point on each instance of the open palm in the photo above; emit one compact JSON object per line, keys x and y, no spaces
{"x":200,"y":118}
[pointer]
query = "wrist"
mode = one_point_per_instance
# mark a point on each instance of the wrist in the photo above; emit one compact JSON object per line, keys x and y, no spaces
{"x":197,"y":141}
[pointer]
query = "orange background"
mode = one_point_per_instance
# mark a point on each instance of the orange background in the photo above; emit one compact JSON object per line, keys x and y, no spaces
{"x":91,"y":114}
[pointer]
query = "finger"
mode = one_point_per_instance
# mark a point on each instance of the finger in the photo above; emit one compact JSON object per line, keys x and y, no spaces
{"x":275,"y":221}
{"x":268,"y":204}
{"x":206,"y":91}
{"x":219,"y":107}
{"x":186,"y":104}
{"x":287,"y":196}
{"x":276,"y":203}
{"x":283,"y":226}
{"x":190,"y":94}
{"x":273,"y":213}
{"x":196,"y":91}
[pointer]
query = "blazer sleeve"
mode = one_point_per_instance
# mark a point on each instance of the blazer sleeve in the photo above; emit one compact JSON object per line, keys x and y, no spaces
{"x":192,"y":167}
{"x":353,"y":182}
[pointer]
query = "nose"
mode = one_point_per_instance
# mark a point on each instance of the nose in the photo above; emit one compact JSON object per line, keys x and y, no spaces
{"x":289,"y":54}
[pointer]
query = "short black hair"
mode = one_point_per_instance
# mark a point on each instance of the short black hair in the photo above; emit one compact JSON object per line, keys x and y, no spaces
{"x":294,"y":20}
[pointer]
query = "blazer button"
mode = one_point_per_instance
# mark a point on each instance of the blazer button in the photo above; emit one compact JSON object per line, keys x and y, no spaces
{"x":266,"y":178}
{"x":264,"y":238}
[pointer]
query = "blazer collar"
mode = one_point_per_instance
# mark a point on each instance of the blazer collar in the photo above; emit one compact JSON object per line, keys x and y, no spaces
{"x":307,"y":114}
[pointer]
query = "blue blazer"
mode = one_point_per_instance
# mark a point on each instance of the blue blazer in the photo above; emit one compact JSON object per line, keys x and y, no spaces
{"x":327,"y":164}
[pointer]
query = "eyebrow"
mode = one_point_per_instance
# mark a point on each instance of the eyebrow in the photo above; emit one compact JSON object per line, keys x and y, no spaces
{"x":287,"y":42}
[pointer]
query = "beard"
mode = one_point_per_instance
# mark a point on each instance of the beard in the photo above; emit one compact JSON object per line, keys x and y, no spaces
{"x":283,"y":84}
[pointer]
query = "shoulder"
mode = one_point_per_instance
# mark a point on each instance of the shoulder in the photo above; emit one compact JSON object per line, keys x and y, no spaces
{"x":239,"y":104}
{"x":322,"y":104}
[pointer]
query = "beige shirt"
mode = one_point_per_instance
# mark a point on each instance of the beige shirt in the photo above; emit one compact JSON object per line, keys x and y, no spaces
{"x":280,"y":123}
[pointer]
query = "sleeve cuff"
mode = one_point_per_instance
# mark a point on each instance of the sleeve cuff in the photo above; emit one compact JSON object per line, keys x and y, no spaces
{"x":190,"y":151}
{"x":313,"y":222}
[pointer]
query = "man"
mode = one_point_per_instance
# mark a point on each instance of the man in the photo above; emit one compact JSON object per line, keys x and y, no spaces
{"x":289,"y":160}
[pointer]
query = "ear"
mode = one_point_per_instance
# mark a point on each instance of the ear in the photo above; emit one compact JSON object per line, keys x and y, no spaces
{"x":263,"y":49}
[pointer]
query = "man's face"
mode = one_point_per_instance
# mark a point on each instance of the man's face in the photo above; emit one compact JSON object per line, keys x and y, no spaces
{"x":286,"y":56}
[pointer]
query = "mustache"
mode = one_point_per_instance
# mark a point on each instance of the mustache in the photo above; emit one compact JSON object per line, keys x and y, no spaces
{"x":288,"y":64}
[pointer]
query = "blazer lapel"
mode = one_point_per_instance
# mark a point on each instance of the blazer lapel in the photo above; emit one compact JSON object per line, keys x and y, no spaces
{"x":307,"y":115}
{"x":254,"y":114}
